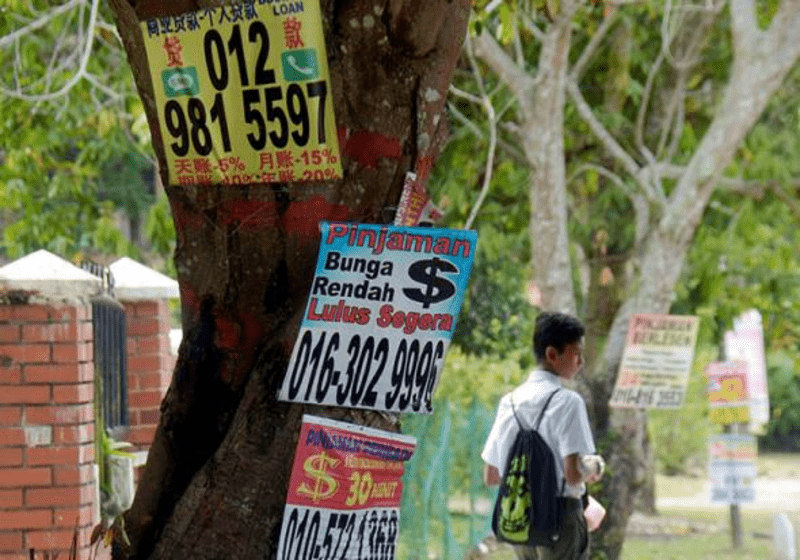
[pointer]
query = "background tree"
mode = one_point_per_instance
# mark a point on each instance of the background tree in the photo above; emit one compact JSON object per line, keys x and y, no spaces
{"x":216,"y":477}
{"x":74,"y":143}
{"x":628,"y":123}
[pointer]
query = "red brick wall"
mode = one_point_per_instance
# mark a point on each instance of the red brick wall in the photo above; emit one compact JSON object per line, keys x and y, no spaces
{"x":47,"y":449}
{"x":150,"y":365}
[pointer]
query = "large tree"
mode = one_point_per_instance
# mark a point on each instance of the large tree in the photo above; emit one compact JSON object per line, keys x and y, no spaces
{"x":216,"y":478}
{"x":665,"y":115}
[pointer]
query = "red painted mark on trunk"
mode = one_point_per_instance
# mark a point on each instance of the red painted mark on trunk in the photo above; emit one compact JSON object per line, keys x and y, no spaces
{"x":249,"y":214}
{"x":368,"y":147}
{"x":184,"y":218}
{"x":237,"y":332}
{"x":190,"y":305}
{"x":424,"y":166}
{"x":238,"y":336}
{"x":302,"y":217}
{"x":228,"y":332}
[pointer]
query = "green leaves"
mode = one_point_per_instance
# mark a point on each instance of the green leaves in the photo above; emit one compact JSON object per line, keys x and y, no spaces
{"x":73,"y":164}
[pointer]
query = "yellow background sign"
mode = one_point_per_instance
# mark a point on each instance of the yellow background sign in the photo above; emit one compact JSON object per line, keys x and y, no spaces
{"x":727,"y":392}
{"x":243,"y":94}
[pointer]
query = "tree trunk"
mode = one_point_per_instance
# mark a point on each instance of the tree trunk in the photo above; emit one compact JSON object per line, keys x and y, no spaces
{"x":216,"y":478}
{"x":762,"y":60}
{"x":543,"y":142}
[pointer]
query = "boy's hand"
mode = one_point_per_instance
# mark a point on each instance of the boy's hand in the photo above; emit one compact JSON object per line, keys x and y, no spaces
{"x":592,"y":467}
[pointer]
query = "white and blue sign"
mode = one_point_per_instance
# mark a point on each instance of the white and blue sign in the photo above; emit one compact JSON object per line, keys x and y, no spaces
{"x":380,"y":316}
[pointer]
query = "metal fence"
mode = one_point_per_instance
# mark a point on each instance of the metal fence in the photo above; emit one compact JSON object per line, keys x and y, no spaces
{"x":446,"y":509}
{"x":110,"y":358}
{"x":110,"y":351}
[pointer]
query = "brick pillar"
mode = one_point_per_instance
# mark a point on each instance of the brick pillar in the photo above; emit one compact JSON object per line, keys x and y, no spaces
{"x":47,"y":480}
{"x":150,"y":365}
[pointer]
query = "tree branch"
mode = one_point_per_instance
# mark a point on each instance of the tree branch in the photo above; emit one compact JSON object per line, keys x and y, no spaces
{"x":605,"y":137}
{"x":744,"y":23}
{"x":680,"y":117}
{"x":671,"y":122}
{"x":38,"y":23}
{"x":486,"y":102}
{"x":79,"y":74}
{"x":531,"y":27}
{"x":461,"y":117}
{"x":521,"y":83}
{"x":640,"y":116}
{"x":639,"y":203}
{"x":591,"y":47}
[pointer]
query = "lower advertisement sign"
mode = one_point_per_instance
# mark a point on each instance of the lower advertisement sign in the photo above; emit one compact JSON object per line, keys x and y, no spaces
{"x":345,"y":491}
{"x":732,"y":468}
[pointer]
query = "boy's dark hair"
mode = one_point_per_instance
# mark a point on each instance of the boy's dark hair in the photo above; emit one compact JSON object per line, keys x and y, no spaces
{"x":556,"y":330}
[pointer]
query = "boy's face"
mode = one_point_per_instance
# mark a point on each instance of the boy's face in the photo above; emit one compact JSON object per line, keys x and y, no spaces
{"x":567,"y":363}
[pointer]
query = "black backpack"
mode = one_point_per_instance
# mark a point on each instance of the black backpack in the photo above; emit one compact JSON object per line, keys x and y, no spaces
{"x":527,"y":510}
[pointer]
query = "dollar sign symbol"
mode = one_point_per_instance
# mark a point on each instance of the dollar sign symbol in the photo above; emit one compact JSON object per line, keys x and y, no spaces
{"x":436,"y":288}
{"x":324,"y":485}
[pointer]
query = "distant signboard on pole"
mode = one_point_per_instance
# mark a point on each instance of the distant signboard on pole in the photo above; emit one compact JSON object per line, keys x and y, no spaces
{"x":345,"y":492}
{"x":656,"y":362}
{"x":727,"y":392}
{"x":243,"y":94}
{"x":746,"y":343}
{"x":381,"y":313}
{"x":732,"y":468}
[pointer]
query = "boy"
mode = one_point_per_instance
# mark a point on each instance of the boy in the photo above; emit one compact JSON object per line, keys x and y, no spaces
{"x":558,"y":346}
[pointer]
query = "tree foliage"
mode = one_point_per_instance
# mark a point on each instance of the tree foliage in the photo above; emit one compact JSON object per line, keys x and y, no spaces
{"x":632,"y":120}
{"x":74,"y":139}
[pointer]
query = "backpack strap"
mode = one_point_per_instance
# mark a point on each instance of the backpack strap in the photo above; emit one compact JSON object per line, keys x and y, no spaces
{"x":541,"y":414}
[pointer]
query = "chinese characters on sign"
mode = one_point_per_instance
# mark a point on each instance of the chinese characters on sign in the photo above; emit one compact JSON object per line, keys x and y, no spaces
{"x":344,"y":493}
{"x":243,"y":94}
{"x":380,"y":316}
{"x":656,"y":362}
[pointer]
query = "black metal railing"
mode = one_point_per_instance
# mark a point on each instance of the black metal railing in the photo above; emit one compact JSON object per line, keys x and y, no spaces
{"x":110,"y":351}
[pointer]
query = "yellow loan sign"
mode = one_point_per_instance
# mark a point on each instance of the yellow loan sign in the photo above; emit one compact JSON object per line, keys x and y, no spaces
{"x":243,"y":94}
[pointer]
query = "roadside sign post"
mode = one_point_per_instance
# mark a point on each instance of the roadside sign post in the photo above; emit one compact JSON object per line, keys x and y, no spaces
{"x":729,"y":405}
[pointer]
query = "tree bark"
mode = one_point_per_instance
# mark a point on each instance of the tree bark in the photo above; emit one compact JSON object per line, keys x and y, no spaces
{"x":541,"y":99}
{"x":216,"y":477}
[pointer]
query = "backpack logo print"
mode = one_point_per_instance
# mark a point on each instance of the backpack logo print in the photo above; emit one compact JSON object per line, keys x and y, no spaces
{"x":514,"y":507}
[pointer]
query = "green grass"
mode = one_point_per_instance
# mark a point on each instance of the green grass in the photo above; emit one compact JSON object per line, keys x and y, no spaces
{"x":711,"y":545}
{"x":678,"y":486}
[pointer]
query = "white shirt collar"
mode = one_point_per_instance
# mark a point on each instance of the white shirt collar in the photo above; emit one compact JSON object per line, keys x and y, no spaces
{"x":544,"y":375}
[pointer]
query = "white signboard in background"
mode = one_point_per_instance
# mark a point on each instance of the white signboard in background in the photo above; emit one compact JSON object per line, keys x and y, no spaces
{"x":657,"y":361}
{"x":746,"y":343}
{"x":732,"y":468}
{"x":380,"y":316}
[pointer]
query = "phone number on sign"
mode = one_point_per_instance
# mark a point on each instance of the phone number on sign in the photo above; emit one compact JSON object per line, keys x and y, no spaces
{"x":376,"y":375}
{"x":312,"y":534}
{"x":647,"y":397}
{"x":274,"y":114}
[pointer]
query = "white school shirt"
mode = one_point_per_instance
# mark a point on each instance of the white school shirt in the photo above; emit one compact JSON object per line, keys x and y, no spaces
{"x":564,"y":427}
